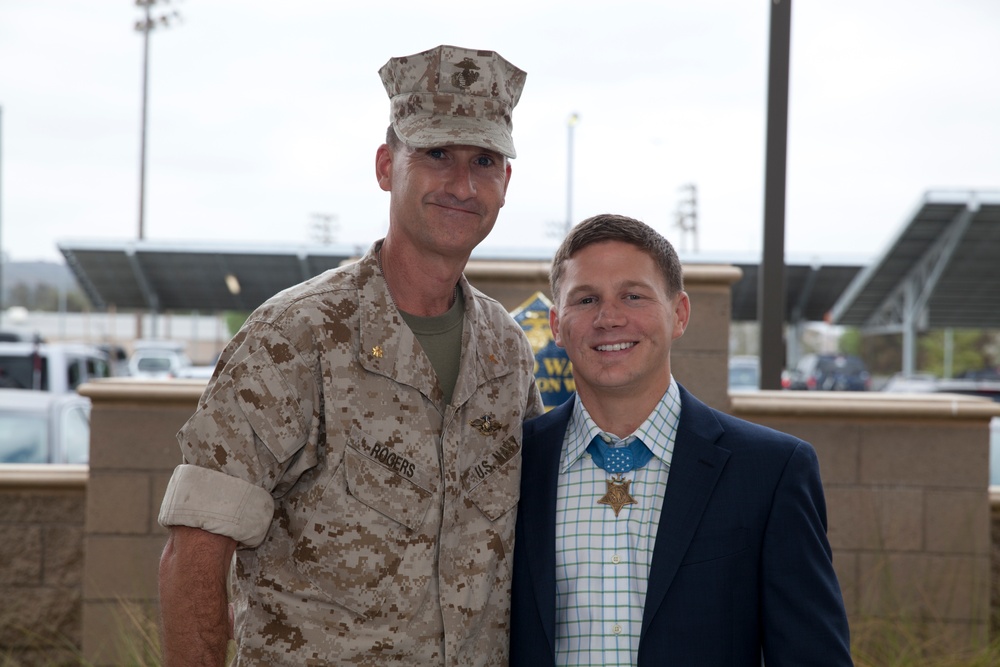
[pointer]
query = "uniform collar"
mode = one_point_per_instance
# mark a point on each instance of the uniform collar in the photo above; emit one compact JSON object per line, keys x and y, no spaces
{"x":388,"y":347}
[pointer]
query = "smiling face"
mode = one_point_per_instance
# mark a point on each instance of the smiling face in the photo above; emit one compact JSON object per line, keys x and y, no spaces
{"x":616,"y":319}
{"x":443,"y":200}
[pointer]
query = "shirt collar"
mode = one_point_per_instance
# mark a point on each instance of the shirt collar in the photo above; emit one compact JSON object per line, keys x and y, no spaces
{"x":658,"y":431}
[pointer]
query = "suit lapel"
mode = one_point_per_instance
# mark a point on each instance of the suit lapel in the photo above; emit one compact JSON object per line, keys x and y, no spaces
{"x":695,"y":468}
{"x":537,"y":510}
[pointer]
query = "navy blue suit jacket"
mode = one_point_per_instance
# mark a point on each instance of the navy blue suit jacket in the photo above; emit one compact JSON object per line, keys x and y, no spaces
{"x":741,"y":567}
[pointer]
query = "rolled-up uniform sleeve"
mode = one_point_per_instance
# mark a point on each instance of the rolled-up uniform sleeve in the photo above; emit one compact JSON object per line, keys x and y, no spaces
{"x":253,"y":435}
{"x":217,"y":502}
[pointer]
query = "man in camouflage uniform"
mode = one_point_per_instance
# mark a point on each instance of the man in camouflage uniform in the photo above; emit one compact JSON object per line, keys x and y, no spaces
{"x":358,"y":447}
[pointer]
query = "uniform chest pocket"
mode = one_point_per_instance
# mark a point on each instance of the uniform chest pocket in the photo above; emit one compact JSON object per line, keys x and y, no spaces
{"x":368,"y":523}
{"x":278,"y":415}
{"x":494,"y":483}
{"x":384,"y":481}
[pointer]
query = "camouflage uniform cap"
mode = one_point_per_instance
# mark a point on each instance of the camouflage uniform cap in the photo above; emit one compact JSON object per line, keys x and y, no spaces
{"x":450,"y":95}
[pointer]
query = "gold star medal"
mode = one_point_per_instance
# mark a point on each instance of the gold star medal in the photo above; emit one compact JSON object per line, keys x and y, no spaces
{"x":617,"y":495}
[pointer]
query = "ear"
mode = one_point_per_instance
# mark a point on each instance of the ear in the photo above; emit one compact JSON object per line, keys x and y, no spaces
{"x":506,"y":182}
{"x":682,"y":314}
{"x":554,"y":326}
{"x":383,"y":167}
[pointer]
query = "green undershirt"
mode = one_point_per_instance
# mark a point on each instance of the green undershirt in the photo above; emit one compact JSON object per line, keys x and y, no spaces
{"x":441,"y":338}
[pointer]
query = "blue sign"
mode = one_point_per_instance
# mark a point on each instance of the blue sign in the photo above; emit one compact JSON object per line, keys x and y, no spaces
{"x":553,"y":371}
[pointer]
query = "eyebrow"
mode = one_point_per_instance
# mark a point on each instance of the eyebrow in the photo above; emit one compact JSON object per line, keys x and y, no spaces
{"x":623,"y":285}
{"x":475,"y":149}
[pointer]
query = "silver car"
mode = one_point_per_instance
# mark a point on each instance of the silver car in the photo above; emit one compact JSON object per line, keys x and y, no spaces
{"x":55,"y":367}
{"x":44,"y":427}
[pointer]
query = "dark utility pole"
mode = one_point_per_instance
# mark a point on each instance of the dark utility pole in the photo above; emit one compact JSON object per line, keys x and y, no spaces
{"x":771,"y":283}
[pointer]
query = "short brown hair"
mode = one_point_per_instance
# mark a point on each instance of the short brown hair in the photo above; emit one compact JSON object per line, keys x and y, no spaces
{"x":392,"y":139}
{"x":611,"y":227}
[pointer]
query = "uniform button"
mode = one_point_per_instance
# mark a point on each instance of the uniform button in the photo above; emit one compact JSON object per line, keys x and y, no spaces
{"x":616,"y":559}
{"x":617,"y":629}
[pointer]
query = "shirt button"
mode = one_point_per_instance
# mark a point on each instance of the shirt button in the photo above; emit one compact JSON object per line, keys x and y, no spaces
{"x":616,"y":559}
{"x":616,"y":628}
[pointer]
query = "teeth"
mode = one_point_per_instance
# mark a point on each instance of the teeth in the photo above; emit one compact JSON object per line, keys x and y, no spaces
{"x":617,"y":347}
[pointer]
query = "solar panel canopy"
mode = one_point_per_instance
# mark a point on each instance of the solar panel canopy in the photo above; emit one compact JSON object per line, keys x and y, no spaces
{"x":150,"y":275}
{"x":941,"y":271}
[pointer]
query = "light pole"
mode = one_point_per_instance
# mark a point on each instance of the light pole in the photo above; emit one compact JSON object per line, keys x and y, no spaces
{"x":145,"y":25}
{"x":687,"y":215}
{"x":1,"y":215}
{"x":571,"y":123}
{"x":324,"y":228}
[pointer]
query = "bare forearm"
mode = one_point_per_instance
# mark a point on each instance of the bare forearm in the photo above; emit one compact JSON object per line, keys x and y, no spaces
{"x":193,"y":601}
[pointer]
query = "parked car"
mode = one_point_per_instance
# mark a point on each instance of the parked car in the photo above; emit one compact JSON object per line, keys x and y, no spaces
{"x":55,"y":367}
{"x":117,"y":357}
{"x":158,"y":359}
{"x":44,"y":427}
{"x":13,"y":336}
{"x":744,"y":373}
{"x":195,"y":372}
{"x":911,"y":384}
{"x":995,"y":452}
{"x":991,"y":374}
{"x":792,"y":378}
{"x":830,"y":372}
{"x":985,"y":388}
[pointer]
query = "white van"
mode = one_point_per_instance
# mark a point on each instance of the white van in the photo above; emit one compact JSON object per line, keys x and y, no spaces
{"x":55,"y":367}
{"x":158,"y":359}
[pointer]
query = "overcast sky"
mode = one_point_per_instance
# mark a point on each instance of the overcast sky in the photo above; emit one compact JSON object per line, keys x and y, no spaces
{"x":262,"y":114}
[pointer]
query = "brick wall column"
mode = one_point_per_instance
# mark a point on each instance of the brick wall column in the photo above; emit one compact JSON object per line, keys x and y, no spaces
{"x":906,"y":483}
{"x":133,"y":452}
{"x":41,"y":561}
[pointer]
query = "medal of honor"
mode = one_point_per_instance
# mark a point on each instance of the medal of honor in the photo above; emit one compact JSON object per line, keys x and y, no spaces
{"x":617,"y":495}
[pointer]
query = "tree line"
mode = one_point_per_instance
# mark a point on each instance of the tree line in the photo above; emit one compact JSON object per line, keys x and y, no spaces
{"x":45,"y":297}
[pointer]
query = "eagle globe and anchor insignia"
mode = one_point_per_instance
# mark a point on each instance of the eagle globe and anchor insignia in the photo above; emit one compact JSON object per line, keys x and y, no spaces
{"x":466,"y":75}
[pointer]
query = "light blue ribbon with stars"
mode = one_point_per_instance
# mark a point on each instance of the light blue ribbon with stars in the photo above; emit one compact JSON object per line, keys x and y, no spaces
{"x":619,"y":460}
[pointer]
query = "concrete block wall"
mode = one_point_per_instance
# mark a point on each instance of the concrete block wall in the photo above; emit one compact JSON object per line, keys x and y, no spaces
{"x":133,"y":452}
{"x":699,"y":360}
{"x":906,"y":483}
{"x":41,"y":562}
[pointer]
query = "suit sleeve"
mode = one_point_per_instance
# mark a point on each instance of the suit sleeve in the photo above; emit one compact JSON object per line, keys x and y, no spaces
{"x":803,"y":617}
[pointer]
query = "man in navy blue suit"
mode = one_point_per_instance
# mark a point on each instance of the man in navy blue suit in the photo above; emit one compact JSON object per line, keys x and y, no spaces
{"x":652,"y":529}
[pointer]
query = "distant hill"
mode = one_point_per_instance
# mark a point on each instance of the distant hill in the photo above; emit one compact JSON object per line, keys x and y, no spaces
{"x":37,"y":273}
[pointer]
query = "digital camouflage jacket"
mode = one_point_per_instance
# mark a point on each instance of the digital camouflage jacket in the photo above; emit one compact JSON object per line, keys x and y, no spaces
{"x":376,"y":524}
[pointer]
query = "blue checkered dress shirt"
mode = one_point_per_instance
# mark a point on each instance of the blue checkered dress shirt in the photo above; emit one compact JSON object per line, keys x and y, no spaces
{"x":602,"y":561}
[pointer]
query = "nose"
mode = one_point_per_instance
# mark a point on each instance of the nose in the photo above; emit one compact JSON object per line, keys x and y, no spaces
{"x":610,"y":313}
{"x":461,"y":182}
